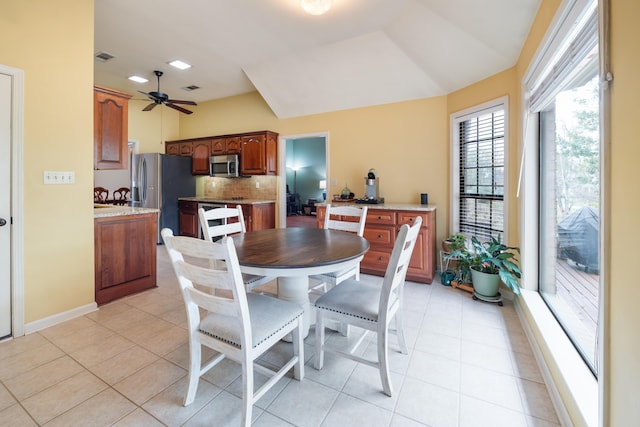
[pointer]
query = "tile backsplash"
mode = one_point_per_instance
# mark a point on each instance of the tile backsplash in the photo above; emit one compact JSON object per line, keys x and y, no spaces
{"x":226,"y":188}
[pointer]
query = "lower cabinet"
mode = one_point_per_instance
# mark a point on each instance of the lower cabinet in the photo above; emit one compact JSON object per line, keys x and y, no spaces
{"x":257,"y":216}
{"x":188,"y":218}
{"x":125,"y":255}
{"x":381,"y":229}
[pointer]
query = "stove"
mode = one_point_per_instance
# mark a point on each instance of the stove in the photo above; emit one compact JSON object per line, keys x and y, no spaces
{"x":371,"y":200}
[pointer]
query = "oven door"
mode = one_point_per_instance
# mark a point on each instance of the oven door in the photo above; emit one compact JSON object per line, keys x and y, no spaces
{"x":207,"y":207}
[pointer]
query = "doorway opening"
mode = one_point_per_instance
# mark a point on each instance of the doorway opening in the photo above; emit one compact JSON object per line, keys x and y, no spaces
{"x":304,"y":177}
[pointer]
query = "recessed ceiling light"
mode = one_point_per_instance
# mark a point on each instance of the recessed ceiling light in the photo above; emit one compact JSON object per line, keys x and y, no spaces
{"x":316,"y":7}
{"x":138,"y":79}
{"x":179,"y":64}
{"x":191,"y":87}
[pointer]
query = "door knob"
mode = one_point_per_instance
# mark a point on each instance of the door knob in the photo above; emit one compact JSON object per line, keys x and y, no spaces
{"x":3,"y":222}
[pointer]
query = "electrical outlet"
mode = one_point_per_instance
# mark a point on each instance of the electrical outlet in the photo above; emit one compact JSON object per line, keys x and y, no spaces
{"x":58,"y":177}
{"x":257,"y":184}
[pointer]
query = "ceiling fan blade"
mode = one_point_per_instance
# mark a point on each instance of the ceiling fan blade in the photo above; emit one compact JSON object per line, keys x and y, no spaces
{"x":176,"y":101}
{"x":175,"y":107}
{"x":150,"y":107}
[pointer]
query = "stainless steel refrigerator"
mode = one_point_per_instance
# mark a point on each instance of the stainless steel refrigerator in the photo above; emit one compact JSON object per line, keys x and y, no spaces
{"x":157,"y":180}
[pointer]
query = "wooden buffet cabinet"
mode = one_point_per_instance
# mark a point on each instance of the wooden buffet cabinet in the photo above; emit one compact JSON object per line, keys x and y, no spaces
{"x":257,"y":216}
{"x":257,"y":150}
{"x":125,"y":254}
{"x":381,"y":229}
{"x":110,"y":128}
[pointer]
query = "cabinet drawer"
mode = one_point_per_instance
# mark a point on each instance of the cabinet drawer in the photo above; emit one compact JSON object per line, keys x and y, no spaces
{"x":380,"y":236}
{"x":381,"y":217}
{"x":410,"y":218}
{"x":375,"y":260}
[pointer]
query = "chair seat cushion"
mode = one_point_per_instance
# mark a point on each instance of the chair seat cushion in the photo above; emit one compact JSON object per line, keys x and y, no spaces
{"x":353,"y":298}
{"x":268,"y":316}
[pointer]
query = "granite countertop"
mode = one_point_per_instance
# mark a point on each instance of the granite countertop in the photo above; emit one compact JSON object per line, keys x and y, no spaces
{"x":104,"y":211}
{"x":232,"y":202}
{"x":390,"y":206}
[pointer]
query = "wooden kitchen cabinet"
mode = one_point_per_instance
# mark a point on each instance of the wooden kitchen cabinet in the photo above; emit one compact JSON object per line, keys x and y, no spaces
{"x":258,"y":151}
{"x":221,"y":146}
{"x":382,"y":227}
{"x":125,"y":255}
{"x":200,"y":155}
{"x":172,"y":148}
{"x":258,"y":155}
{"x":188,"y":218}
{"x":259,"y":216}
{"x":110,"y":128}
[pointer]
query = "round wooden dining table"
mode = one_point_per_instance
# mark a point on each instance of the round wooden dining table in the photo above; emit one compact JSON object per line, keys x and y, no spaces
{"x":293,"y":254}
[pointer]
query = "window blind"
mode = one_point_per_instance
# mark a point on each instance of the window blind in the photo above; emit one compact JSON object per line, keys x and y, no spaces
{"x":481,"y":174}
{"x":572,"y":68}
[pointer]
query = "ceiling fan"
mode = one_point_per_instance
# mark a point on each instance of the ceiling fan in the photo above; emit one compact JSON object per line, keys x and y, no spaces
{"x":162,"y":98}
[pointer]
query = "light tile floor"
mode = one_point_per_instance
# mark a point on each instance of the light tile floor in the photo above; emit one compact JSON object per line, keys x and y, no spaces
{"x":469,"y":365}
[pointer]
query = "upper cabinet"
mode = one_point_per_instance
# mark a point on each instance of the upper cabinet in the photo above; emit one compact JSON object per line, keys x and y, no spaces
{"x":257,"y":150}
{"x":110,"y":128}
{"x":258,"y":155}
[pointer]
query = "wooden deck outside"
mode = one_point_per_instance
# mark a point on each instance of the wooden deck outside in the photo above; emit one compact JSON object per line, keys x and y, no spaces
{"x":580,"y":291}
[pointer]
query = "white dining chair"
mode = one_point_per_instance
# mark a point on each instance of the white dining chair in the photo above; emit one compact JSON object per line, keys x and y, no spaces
{"x":352,"y":219}
{"x":221,"y":222}
{"x":238,"y":325}
{"x":371,"y":307}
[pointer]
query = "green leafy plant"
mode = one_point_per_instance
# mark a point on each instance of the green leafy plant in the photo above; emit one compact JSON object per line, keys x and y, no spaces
{"x":456,"y":242}
{"x":493,"y":257}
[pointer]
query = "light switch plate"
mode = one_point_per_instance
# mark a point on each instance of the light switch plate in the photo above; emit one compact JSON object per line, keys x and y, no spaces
{"x":58,"y":177}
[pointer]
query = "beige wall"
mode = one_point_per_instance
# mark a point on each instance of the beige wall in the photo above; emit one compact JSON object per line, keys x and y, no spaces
{"x":405,"y":142}
{"x":151,"y":128}
{"x":53,"y":43}
{"x":621,"y":333}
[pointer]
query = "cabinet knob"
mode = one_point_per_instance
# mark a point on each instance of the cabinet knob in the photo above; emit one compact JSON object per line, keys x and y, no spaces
{"x":379,"y":217}
{"x":379,"y":258}
{"x":410,"y":219}
{"x":379,"y":236}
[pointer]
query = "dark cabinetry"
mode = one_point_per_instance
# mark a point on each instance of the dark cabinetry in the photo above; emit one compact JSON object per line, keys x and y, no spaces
{"x":258,"y":151}
{"x":110,"y":128}
{"x":198,"y":149}
{"x":188,"y":218}
{"x":125,"y":255}
{"x":381,"y":229}
{"x":257,"y":216}
{"x":258,"y":155}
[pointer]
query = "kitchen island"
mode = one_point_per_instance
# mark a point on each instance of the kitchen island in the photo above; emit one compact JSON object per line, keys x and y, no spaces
{"x":383,"y":223}
{"x":125,"y":250}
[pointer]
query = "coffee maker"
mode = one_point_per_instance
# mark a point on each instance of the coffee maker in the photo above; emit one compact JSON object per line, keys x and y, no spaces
{"x":371,"y":189}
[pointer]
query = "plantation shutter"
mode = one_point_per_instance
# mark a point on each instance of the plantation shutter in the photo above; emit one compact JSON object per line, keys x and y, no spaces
{"x":481,"y":173}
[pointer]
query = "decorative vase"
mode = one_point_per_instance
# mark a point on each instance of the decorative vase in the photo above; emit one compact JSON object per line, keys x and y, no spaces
{"x":485,"y":284}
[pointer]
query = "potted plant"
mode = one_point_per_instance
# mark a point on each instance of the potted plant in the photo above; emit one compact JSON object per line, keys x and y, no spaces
{"x":488,"y":263}
{"x":455,"y":242}
{"x":454,"y":269}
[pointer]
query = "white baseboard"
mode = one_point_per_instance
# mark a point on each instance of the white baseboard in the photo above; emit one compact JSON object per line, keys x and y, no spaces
{"x":59,"y":318}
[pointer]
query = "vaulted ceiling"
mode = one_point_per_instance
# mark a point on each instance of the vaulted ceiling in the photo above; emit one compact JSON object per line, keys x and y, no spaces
{"x":360,"y":53}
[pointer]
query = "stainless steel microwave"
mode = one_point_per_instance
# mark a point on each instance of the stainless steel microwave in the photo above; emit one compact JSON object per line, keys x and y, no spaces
{"x":224,"y":166}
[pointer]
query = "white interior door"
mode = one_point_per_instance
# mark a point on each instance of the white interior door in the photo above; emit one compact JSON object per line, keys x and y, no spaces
{"x":5,"y":205}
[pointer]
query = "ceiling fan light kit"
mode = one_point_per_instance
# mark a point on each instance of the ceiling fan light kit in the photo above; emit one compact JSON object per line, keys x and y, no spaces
{"x":316,"y":7}
{"x":162,"y":98}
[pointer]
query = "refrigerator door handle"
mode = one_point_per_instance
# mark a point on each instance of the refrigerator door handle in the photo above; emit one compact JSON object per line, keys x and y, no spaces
{"x":142,"y":179}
